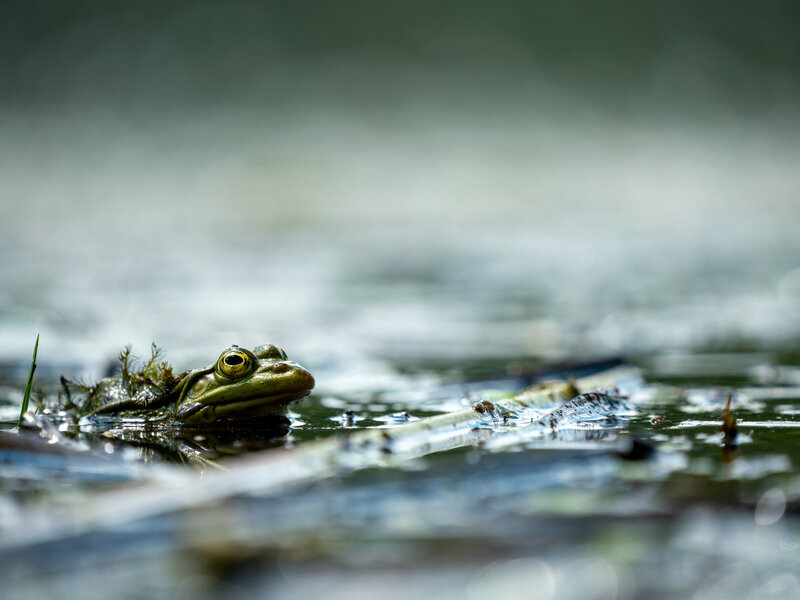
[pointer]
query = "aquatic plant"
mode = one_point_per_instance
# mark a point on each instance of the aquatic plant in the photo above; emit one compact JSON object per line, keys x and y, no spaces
{"x":27,"y":396}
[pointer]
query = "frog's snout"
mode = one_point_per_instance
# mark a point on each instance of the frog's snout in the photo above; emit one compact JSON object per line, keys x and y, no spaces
{"x":303,"y":377}
{"x":309,"y":381}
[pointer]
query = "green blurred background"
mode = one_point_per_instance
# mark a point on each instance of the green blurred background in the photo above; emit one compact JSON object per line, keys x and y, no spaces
{"x":549,"y":178}
{"x":685,"y":56}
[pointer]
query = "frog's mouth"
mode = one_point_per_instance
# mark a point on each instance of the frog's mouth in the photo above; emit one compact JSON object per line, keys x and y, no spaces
{"x":278,"y":392}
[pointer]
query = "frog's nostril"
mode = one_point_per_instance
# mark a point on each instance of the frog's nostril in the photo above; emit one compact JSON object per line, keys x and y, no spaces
{"x":281,"y":367}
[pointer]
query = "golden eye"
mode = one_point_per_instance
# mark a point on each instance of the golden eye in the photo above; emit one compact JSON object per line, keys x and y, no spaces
{"x":234,"y":362}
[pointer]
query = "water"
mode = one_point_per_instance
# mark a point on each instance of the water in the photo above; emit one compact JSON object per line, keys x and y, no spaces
{"x":416,"y":263}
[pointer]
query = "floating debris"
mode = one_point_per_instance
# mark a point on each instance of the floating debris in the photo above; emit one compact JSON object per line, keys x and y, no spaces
{"x":729,"y":429}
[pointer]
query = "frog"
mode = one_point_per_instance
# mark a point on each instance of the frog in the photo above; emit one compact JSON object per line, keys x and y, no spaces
{"x":241,"y":386}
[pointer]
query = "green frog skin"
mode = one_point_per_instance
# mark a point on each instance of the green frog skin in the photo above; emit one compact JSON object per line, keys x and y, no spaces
{"x":241,"y":385}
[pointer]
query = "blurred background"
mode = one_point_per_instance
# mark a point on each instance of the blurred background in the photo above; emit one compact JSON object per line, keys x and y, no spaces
{"x":398,"y":183}
{"x":402,"y":195}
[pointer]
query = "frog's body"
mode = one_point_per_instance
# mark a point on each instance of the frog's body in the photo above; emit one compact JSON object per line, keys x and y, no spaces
{"x":239,"y":386}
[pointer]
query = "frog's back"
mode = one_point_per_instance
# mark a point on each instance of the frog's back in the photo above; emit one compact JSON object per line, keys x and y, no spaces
{"x":106,"y":393}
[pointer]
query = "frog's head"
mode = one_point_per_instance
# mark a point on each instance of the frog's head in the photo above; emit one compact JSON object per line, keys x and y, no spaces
{"x":243,"y":385}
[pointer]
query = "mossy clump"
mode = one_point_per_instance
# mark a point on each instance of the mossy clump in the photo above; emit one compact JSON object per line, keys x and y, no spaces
{"x":154,"y":373}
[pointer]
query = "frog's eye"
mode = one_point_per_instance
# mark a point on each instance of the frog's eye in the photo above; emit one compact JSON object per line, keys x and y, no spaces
{"x":234,"y":362}
{"x":270,"y":351}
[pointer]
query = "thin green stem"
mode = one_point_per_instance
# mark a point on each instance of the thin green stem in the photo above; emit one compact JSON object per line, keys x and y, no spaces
{"x":26,"y":398}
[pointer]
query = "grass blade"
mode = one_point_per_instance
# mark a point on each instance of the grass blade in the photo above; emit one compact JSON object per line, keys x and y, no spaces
{"x":26,"y":398}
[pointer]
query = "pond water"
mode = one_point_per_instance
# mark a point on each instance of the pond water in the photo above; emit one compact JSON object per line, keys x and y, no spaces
{"x":415,"y":266}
